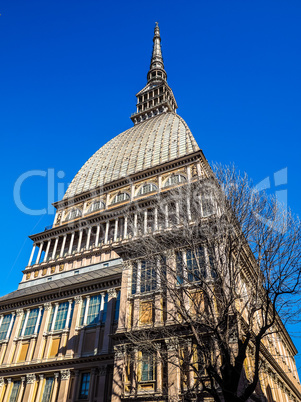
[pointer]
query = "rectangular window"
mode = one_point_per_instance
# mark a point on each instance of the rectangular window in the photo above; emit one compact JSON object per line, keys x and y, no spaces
{"x":180,"y":266}
{"x":15,"y":391}
{"x":211,"y":257}
{"x":61,"y":316}
{"x":148,"y":276}
{"x":4,"y":326}
{"x":134,"y":278}
{"x":94,"y":310}
{"x":147,"y":367}
{"x":207,"y":205}
{"x":47,"y":389}
{"x":84,"y":386}
{"x":196,"y":268}
{"x":31,"y":323}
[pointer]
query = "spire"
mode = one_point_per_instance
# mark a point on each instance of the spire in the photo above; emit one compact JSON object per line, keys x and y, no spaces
{"x":156,"y":97}
{"x":157,"y":59}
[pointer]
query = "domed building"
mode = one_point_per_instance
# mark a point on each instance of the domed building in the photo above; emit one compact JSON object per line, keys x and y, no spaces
{"x":62,"y":331}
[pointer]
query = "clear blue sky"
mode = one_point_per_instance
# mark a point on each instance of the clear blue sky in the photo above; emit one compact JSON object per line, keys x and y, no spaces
{"x":70,"y":70}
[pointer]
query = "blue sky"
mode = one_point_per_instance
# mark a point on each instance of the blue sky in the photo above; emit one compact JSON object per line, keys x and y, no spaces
{"x":70,"y":71}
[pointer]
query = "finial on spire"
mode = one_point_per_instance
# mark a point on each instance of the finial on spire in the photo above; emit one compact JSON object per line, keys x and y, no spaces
{"x":157,"y":59}
{"x":156,"y":97}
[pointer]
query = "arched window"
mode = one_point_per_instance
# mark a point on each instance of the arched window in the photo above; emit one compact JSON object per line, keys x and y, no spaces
{"x":175,"y":179}
{"x":96,"y":206}
{"x":74,"y":213}
{"x":147,"y":188}
{"x":120,"y":198}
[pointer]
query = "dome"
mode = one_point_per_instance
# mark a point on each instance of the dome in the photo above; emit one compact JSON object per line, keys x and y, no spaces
{"x":155,"y":141}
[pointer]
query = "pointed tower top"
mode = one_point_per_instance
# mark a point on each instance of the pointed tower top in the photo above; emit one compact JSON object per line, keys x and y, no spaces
{"x":156,"y":97}
{"x":157,"y":59}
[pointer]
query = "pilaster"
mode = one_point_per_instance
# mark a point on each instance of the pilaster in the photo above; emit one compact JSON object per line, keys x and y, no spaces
{"x":64,"y":386}
{"x":30,"y":388}
{"x":108,"y":324}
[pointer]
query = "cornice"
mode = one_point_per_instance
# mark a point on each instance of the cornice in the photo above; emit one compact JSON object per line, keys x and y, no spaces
{"x":17,"y":370}
{"x":60,"y":293}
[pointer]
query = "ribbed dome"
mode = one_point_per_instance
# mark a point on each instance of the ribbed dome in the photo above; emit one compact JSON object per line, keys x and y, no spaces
{"x":150,"y":143}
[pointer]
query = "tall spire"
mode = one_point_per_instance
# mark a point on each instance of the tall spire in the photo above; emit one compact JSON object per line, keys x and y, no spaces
{"x":156,"y":97}
{"x":157,"y":59}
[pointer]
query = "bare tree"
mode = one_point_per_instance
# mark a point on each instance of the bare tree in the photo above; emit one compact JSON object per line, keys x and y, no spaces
{"x":216,"y":265}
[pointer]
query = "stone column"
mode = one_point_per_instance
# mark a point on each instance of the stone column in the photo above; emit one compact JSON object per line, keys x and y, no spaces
{"x":110,"y":312}
{"x":125,"y":232}
{"x":145,"y":222}
{"x":124,"y":308}
{"x":55,"y":387}
{"x":188,"y":209}
{"x":135,"y":224}
{"x":39,"y":253}
{"x":39,"y":344}
{"x":74,"y":323}
{"x":159,"y":370}
{"x":64,"y":386}
{"x":30,"y":388}
{"x":171,"y":279}
{"x":22,"y":389}
{"x":107,"y":232}
{"x":177,"y":212}
{"x":102,"y":371}
{"x":8,"y":390}
{"x":11,"y":334}
{"x":79,"y":240}
{"x":47,"y":250}
{"x":31,"y":255}
{"x":40,"y":387}
{"x":116,"y":229}
{"x":156,"y":220}
{"x":71,"y":243}
{"x":118,"y":374}
{"x":97,"y":236}
{"x":88,"y":238}
{"x":55,"y":248}
{"x":63,"y":246}
{"x":166,"y":216}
